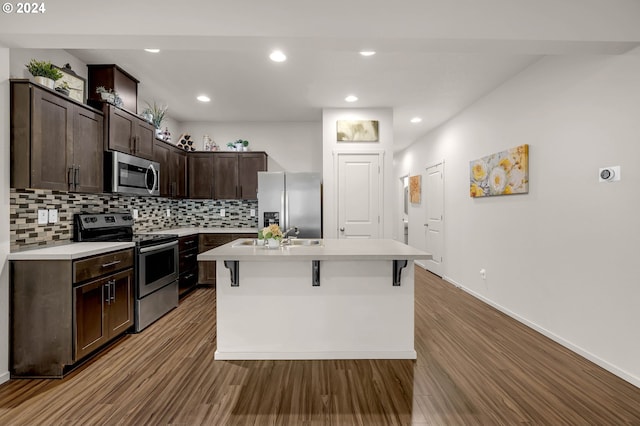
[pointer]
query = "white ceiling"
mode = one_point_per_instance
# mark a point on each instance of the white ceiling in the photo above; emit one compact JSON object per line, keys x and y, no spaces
{"x":435,"y":57}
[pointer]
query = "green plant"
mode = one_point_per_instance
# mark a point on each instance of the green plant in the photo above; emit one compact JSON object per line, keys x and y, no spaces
{"x":157,"y":113}
{"x":44,"y":69}
{"x":244,"y":143}
{"x":231,"y":144}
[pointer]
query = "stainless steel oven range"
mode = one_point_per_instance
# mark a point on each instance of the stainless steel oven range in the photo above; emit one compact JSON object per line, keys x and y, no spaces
{"x":156,"y":283}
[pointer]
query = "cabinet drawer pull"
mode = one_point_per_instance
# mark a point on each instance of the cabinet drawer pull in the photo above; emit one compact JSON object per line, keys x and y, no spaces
{"x":189,"y":242}
{"x":189,"y":255}
{"x":115,"y":262}
{"x":189,"y":276}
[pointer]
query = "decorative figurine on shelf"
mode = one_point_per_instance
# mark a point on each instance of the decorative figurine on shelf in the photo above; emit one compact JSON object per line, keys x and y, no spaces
{"x":208,"y":144}
{"x":166,"y":135}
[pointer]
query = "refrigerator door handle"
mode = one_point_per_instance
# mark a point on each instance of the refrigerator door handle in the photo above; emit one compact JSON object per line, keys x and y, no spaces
{"x":283,"y":211}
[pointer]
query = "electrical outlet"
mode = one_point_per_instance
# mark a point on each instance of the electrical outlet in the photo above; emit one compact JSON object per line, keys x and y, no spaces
{"x":53,"y":216}
{"x":135,"y":213}
{"x":168,"y":212}
{"x":252,"y":212}
{"x":43,"y":217}
{"x":483,"y":274}
{"x":222,"y":213}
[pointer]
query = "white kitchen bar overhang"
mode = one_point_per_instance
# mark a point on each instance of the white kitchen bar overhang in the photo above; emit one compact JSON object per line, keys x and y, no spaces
{"x":315,"y":299}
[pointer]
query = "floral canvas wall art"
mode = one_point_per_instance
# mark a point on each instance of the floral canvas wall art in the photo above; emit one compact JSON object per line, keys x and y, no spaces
{"x":357,"y":130}
{"x":414,"y":189}
{"x":503,"y":173}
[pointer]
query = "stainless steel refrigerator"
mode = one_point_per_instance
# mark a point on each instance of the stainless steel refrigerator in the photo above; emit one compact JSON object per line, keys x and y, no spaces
{"x":291,"y":200}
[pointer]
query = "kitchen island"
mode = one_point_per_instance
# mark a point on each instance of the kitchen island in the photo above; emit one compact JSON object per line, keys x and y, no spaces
{"x":315,"y":299}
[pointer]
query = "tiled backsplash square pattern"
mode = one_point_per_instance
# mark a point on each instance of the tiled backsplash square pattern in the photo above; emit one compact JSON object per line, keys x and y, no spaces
{"x":152,"y":214}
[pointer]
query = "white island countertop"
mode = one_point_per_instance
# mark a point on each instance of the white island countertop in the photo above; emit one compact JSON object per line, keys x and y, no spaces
{"x":328,"y":249}
{"x":69,"y":251}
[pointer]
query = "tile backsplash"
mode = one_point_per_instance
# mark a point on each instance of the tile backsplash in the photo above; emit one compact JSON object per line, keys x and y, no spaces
{"x":152,"y":214}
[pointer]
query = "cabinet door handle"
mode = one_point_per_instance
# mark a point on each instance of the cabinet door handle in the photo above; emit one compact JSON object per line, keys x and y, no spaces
{"x":113,"y":291}
{"x":76,"y":177}
{"x":188,"y":276}
{"x":115,"y":262}
{"x":189,"y":255}
{"x":108,"y":285}
{"x":189,"y":242}
{"x":70,"y":178}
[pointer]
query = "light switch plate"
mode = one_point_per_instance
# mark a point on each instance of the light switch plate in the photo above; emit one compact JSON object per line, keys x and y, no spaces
{"x":43,"y":217}
{"x":135,"y":213}
{"x":252,"y":212}
{"x":168,"y":212}
{"x":222,"y":212}
{"x":53,"y":215}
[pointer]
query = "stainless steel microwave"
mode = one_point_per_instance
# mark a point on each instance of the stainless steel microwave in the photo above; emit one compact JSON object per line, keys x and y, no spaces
{"x":126,"y":174}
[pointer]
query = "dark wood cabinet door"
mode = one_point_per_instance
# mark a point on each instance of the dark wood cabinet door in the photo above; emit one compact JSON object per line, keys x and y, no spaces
{"x":120,"y":306}
{"x":200,"y":169}
{"x":121,"y":130}
{"x":249,"y":164}
{"x":145,"y":135}
{"x":225,"y":176}
{"x":179,"y":166}
{"x":90,"y":330}
{"x":162,"y":154}
{"x":87,"y":151}
{"x":52,"y":130}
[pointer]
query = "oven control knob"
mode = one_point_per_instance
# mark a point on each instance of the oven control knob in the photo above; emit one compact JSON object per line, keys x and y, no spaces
{"x":127,"y":217}
{"x":93,"y":219}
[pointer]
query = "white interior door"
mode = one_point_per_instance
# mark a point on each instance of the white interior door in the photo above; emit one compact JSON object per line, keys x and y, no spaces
{"x":434,"y":200}
{"x":359,"y":195}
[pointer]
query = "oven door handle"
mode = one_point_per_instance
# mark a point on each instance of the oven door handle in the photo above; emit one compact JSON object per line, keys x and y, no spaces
{"x":158,"y":247}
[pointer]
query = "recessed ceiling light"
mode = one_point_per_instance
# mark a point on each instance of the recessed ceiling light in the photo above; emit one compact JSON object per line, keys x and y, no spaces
{"x":416,"y":120}
{"x":367,"y":52}
{"x":203,"y":98}
{"x":351,"y":98}
{"x":152,"y":50}
{"x":277,"y":56}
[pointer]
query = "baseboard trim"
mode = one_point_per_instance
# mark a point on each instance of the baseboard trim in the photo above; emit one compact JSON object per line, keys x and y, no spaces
{"x":558,"y":339}
{"x":237,"y":356}
{"x":4,"y":377}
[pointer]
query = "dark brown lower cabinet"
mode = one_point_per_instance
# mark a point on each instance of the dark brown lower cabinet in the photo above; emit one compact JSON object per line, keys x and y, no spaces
{"x":207,"y":270}
{"x":188,"y":266}
{"x":103,"y":310}
{"x":63,"y":310}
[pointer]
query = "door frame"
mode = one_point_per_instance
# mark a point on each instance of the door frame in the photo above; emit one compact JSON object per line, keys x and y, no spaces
{"x":336,"y":180}
{"x":442,"y":264}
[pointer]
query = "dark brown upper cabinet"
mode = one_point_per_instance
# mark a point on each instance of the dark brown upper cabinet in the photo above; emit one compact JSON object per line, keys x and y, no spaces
{"x":173,"y":169}
{"x":111,"y":76}
{"x":128,"y":133}
{"x":225,"y":175}
{"x":56,"y":142}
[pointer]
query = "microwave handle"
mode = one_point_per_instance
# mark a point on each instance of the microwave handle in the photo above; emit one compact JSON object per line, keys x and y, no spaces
{"x":155,"y":178}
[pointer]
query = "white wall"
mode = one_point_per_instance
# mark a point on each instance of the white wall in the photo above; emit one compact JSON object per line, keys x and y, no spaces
{"x":563,"y":257}
{"x":4,"y":215}
{"x":331,"y":146}
{"x":291,"y":146}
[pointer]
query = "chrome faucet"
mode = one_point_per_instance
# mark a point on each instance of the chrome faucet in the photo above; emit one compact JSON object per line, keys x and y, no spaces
{"x":294,"y":229}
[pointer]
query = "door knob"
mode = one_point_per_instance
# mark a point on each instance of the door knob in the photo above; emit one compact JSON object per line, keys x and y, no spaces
{"x":342,"y":229}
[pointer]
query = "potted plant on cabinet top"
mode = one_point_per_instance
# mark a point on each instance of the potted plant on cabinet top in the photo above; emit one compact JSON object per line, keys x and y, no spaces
{"x":45,"y":72}
{"x":157,"y":114}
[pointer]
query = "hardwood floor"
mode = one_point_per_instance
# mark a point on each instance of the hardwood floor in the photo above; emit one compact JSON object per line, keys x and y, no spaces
{"x":475,"y":366}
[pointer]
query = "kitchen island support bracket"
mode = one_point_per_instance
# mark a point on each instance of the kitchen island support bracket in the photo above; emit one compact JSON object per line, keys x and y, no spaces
{"x":398,"y":266}
{"x":233,"y":267}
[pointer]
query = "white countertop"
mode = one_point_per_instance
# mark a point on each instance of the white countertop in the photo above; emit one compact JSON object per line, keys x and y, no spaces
{"x":183,"y":232}
{"x":69,"y":251}
{"x":331,"y":249}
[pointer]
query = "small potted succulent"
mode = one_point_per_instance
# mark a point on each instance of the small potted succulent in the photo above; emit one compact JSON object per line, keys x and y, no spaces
{"x":109,"y":95}
{"x":44,"y":72}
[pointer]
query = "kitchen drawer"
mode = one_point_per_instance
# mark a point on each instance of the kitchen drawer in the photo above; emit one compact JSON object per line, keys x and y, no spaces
{"x":97,"y":266}
{"x":188,"y":280}
{"x":209,"y":241}
{"x":188,"y":243}
{"x":188,"y":259}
